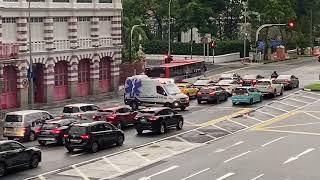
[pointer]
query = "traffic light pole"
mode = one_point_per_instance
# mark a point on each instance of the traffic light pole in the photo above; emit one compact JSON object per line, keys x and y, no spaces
{"x":212,"y":55}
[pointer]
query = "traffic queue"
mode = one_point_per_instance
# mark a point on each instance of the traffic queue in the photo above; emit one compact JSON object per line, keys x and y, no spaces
{"x":89,"y":127}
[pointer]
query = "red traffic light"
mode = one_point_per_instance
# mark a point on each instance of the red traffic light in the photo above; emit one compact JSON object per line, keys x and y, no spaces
{"x":213,"y":45}
{"x":292,"y":24}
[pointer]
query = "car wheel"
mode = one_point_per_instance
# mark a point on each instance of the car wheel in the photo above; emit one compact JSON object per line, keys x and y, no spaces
{"x":281,"y":93}
{"x":162,"y":128}
{"x":120,"y":140}
{"x":188,"y":95}
{"x":32,"y":136}
{"x":199,"y":101}
{"x":2,"y":169}
{"x":275,"y":94}
{"x":94,"y":147}
{"x":34,"y":161}
{"x":234,"y":103}
{"x":134,"y":105}
{"x":226,"y":97}
{"x":297,"y":85}
{"x":119,"y":126}
{"x":218,"y":99}
{"x":179,"y":125}
{"x":139,"y":131}
{"x":183,"y":108}
{"x":251,"y":101}
{"x":70,"y":149}
{"x":261,"y":99}
{"x":42,"y":143}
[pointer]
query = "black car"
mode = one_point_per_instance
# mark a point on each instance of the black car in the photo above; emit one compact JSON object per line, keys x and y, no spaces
{"x":13,"y":155}
{"x":53,"y":131}
{"x":157,"y":119}
{"x":212,"y":94}
{"x":92,"y":136}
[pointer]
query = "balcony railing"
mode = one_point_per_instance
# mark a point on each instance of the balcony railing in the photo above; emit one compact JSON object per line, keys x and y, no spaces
{"x":60,"y":45}
{"x":84,"y":43}
{"x":105,"y":41}
{"x":9,"y":51}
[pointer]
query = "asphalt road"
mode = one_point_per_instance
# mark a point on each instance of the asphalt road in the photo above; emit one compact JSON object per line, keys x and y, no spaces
{"x":217,"y":141}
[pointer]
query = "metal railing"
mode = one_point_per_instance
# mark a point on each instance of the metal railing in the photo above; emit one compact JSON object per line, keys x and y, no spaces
{"x":10,"y":50}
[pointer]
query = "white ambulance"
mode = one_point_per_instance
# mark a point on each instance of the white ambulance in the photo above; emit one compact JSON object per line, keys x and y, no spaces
{"x":142,"y":90}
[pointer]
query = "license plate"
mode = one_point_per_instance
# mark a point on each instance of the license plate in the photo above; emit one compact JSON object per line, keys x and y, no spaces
{"x":9,"y":129}
{"x":204,"y":98}
{"x":75,"y":140}
{"x":45,"y":132}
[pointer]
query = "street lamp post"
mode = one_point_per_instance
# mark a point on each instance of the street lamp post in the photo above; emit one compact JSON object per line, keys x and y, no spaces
{"x":30,"y":57}
{"x":169,"y":33}
{"x":130,"y":44}
{"x":245,"y":31}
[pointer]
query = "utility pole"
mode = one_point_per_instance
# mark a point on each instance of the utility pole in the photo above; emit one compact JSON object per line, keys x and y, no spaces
{"x":169,"y":33}
{"x":311,"y":29}
{"x":31,"y":76}
{"x":245,"y":31}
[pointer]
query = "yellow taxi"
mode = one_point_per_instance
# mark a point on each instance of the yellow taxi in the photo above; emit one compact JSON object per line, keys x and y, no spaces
{"x":188,"y":89}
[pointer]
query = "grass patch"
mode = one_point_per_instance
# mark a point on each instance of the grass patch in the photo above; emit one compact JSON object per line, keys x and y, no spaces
{"x":313,"y":87}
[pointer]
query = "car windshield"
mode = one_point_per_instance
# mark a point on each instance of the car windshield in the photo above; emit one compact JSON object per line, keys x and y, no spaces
{"x":224,"y":83}
{"x":70,"y":109}
{"x":251,"y":76}
{"x":13,"y":118}
{"x":284,"y":77}
{"x":264,"y":83}
{"x":146,"y":113}
{"x":201,"y":82}
{"x":78,"y":130}
{"x":240,"y":91}
{"x":172,"y":89}
{"x":50,"y":126}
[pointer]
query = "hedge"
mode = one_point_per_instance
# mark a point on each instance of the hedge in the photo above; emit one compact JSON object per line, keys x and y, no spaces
{"x":177,"y":48}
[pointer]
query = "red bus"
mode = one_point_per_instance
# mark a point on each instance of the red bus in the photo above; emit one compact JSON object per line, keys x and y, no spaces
{"x":177,"y":69}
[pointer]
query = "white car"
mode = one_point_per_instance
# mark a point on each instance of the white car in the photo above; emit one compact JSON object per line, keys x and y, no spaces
{"x":270,"y":87}
{"x":80,"y":110}
{"x":229,"y":85}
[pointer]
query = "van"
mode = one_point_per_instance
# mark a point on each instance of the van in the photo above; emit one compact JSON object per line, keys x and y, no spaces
{"x":24,"y":124}
{"x":142,"y":90}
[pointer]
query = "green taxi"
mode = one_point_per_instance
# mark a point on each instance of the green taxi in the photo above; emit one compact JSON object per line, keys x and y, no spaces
{"x":247,"y":95}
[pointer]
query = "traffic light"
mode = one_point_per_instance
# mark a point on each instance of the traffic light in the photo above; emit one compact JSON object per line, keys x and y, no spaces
{"x":167,"y":59}
{"x":213,"y":45}
{"x":292,"y":24}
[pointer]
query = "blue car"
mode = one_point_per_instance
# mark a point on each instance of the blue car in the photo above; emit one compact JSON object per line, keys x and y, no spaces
{"x":247,"y":95}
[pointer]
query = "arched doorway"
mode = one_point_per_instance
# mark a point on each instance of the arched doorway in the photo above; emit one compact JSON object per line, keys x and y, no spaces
{"x":9,"y":95}
{"x":84,"y":77}
{"x":105,"y":74}
{"x":61,"y":81}
{"x":38,"y":83}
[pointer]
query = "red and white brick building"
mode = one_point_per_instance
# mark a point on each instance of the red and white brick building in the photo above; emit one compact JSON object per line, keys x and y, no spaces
{"x":76,"y":49}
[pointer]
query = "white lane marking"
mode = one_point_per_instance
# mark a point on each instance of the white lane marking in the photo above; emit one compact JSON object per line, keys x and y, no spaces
{"x":308,"y":92}
{"x":141,"y":156}
{"x":221,"y":128}
{"x":206,"y":134}
{"x":183,"y":140}
{"x":308,"y":97}
{"x":113,"y":165}
{"x":228,"y":119}
{"x":42,"y":178}
{"x":270,"y":142}
{"x":195,"y":174}
{"x":292,"y":125}
{"x":76,"y":155}
{"x":299,"y":155}
{"x":228,"y":147}
{"x":226,"y":176}
{"x":256,"y":119}
{"x":276,"y":108}
{"x":237,"y":156}
{"x":193,"y":124}
{"x":297,"y":100}
{"x":255,"y":178}
{"x":80,"y":173}
{"x":158,"y":173}
{"x":266,"y":113}
{"x":287,"y":104}
{"x":309,"y":114}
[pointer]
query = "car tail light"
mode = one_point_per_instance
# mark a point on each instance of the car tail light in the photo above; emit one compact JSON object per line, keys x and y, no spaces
{"x":212,"y":93}
{"x":24,"y":129}
{"x":38,"y":130}
{"x":254,"y":81}
{"x":96,"y":118}
{"x":66,"y":135}
{"x":241,"y":81}
{"x":56,"y":131}
{"x":152,"y":118}
{"x":85,"y":137}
